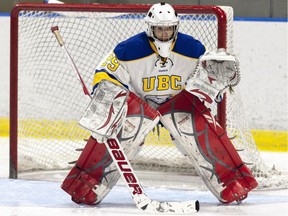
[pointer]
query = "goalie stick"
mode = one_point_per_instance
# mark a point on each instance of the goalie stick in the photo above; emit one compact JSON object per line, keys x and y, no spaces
{"x":124,"y":167}
{"x":55,"y":31}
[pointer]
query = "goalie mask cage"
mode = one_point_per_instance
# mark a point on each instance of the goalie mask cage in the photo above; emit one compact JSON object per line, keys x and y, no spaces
{"x":46,"y":100}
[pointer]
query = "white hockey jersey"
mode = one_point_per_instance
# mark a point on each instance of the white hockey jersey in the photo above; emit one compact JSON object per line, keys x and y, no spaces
{"x":135,"y":64}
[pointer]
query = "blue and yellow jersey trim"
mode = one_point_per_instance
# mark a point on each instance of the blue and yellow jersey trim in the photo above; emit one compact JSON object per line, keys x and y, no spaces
{"x":104,"y":75}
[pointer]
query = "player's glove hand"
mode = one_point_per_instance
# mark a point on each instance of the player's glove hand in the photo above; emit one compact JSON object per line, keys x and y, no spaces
{"x":221,"y":66}
{"x":215,"y":73}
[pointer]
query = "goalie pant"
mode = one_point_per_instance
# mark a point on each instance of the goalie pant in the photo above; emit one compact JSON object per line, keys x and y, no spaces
{"x":94,"y":173}
{"x":199,"y":136}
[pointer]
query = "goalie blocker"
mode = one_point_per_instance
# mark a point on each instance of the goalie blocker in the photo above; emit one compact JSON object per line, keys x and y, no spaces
{"x":199,"y":136}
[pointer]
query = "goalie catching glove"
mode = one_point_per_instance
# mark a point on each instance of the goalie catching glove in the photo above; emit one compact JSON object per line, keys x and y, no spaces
{"x":215,"y":73}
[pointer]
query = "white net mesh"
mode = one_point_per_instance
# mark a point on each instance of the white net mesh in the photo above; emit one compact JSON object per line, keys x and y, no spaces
{"x":51,"y":101}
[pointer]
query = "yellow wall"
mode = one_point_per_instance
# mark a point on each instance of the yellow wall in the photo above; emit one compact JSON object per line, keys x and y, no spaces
{"x":273,"y":141}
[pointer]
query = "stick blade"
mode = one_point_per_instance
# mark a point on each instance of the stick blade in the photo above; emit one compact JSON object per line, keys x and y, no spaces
{"x":156,"y":207}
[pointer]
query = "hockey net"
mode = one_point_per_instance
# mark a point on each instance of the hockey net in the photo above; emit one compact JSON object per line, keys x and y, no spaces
{"x":47,"y":100}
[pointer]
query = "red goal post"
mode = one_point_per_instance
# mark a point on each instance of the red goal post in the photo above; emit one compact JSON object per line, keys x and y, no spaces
{"x":46,"y":101}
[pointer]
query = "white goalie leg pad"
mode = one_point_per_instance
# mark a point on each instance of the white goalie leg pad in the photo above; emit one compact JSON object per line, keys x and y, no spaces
{"x":187,"y":146}
{"x":106,"y":111}
{"x":205,"y":142}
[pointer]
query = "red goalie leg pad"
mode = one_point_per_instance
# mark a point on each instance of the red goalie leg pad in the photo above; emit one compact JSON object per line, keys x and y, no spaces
{"x":215,"y":146}
{"x":87,"y":173}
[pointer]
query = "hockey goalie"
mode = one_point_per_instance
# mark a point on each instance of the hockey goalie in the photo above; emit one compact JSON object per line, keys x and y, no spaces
{"x":160,"y":76}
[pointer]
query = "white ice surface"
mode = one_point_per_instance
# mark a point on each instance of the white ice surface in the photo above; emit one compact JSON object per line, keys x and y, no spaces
{"x":37,"y":197}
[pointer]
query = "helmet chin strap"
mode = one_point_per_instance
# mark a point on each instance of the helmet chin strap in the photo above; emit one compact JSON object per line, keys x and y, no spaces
{"x":162,"y":48}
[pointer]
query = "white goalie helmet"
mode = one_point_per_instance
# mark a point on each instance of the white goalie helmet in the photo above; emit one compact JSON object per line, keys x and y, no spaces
{"x":162,"y":17}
